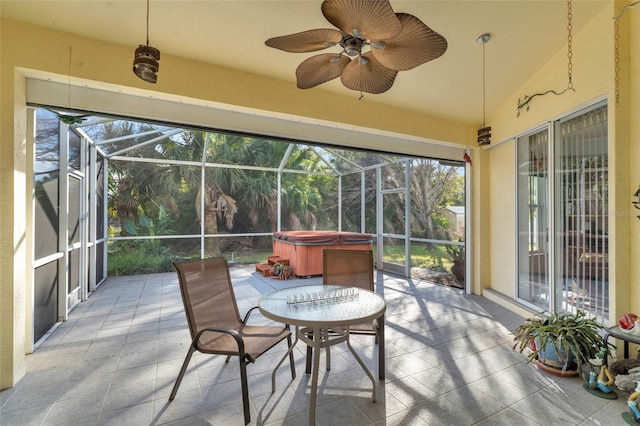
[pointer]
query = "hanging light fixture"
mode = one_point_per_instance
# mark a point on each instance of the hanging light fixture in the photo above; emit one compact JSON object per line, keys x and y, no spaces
{"x":145,"y":63}
{"x":484,"y":134}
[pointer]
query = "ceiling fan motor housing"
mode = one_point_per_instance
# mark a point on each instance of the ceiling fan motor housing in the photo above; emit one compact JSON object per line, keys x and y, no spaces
{"x":352,"y":45}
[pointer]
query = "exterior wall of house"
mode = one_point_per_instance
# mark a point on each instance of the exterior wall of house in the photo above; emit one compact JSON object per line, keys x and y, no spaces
{"x":593,"y":78}
{"x":502,"y":219}
{"x":30,"y":50}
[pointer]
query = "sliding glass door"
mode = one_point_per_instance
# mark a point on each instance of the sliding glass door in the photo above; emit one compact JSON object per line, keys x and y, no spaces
{"x":562,"y":212}
{"x":581,"y":215}
{"x":533,"y":219}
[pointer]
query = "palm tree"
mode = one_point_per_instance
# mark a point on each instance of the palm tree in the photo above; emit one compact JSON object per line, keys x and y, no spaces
{"x":233,"y":190}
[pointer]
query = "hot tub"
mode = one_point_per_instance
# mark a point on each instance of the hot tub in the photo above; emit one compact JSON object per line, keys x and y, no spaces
{"x":304,"y":248}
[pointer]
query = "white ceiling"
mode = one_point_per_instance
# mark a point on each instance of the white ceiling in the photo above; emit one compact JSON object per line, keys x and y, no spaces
{"x":525,"y":34}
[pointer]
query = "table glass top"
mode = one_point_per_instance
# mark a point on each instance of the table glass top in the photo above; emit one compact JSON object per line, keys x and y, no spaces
{"x":322,"y":305}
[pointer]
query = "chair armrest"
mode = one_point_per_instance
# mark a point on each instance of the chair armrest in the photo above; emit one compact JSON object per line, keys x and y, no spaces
{"x":232,"y":332}
{"x":246,"y":317}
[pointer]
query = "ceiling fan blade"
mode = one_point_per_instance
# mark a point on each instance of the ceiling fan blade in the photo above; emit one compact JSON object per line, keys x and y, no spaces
{"x":371,"y":77}
{"x":374,"y":18}
{"x":415,"y":45}
{"x":306,"y":41}
{"x":319,"y":69}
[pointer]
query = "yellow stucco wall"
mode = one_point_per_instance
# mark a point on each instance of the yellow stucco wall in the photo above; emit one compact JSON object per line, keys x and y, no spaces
{"x":501,"y":185}
{"x":592,"y":77}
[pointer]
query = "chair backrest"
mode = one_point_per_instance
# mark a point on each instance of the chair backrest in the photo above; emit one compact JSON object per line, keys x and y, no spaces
{"x":207,"y":294}
{"x":348,"y":267}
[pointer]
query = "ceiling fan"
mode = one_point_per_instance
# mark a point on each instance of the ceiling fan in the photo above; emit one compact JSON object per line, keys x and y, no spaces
{"x":395,"y":41}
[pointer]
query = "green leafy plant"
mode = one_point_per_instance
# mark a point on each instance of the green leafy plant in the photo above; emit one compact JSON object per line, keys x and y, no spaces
{"x":138,"y":257}
{"x":281,"y":271}
{"x":455,"y":252}
{"x":567,"y":333}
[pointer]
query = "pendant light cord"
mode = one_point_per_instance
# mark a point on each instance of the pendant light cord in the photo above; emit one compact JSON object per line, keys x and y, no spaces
{"x":484,"y":91}
{"x":147,"y":22}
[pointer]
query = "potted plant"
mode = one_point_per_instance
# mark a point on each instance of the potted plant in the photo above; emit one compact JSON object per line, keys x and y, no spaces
{"x":561,"y":340}
{"x":281,"y":271}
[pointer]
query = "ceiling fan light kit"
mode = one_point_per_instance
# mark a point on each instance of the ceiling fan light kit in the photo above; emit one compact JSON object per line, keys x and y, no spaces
{"x":145,"y":62}
{"x":376,"y":44}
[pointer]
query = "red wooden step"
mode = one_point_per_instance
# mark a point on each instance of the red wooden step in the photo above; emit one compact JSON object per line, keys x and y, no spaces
{"x":275,"y":259}
{"x":264,"y":268}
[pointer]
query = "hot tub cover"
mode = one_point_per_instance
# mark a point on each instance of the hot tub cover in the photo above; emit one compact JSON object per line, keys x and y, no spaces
{"x":322,"y":237}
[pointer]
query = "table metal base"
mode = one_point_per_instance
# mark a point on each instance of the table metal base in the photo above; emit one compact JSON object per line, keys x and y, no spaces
{"x":321,"y":338}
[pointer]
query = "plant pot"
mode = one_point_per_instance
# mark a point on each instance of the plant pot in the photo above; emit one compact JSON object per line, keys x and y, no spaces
{"x":549,"y":357}
{"x":556,"y":371}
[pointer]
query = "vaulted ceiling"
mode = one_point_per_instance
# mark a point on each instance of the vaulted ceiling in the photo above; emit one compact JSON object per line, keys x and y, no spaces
{"x":525,"y":34}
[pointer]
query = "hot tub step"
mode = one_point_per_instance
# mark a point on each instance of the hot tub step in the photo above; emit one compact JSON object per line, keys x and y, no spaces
{"x":277,"y":259}
{"x":264,"y":268}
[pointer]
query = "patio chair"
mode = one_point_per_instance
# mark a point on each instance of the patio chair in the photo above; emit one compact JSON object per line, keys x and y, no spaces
{"x":215,"y":324}
{"x":352,"y":268}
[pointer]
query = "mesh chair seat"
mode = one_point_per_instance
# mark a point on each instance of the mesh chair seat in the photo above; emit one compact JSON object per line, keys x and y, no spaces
{"x":257,"y":340}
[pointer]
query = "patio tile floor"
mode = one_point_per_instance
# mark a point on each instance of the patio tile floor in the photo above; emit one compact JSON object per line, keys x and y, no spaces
{"x":449,"y":361}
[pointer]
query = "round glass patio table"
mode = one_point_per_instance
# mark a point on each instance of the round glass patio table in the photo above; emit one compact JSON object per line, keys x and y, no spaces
{"x":322,"y":315}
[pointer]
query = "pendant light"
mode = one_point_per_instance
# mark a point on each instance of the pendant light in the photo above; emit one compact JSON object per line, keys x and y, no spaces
{"x":145,"y":63}
{"x":484,"y":134}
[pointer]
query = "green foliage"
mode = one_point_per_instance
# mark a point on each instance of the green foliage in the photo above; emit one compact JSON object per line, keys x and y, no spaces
{"x":441,"y":226}
{"x":139,"y":257}
{"x":430,"y":256}
{"x":455,"y":252}
{"x":567,"y":332}
{"x":164,"y":198}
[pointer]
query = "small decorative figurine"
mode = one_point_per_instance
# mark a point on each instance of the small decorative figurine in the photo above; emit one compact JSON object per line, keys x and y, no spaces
{"x":633,"y":416}
{"x":600,"y":383}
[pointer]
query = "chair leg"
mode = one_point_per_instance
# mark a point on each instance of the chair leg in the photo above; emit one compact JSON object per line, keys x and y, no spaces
{"x":293,"y":368}
{"x":245,"y":391}
{"x":307,"y":368}
{"x":183,"y":370}
{"x":325,"y":336}
{"x":381,"y":349}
